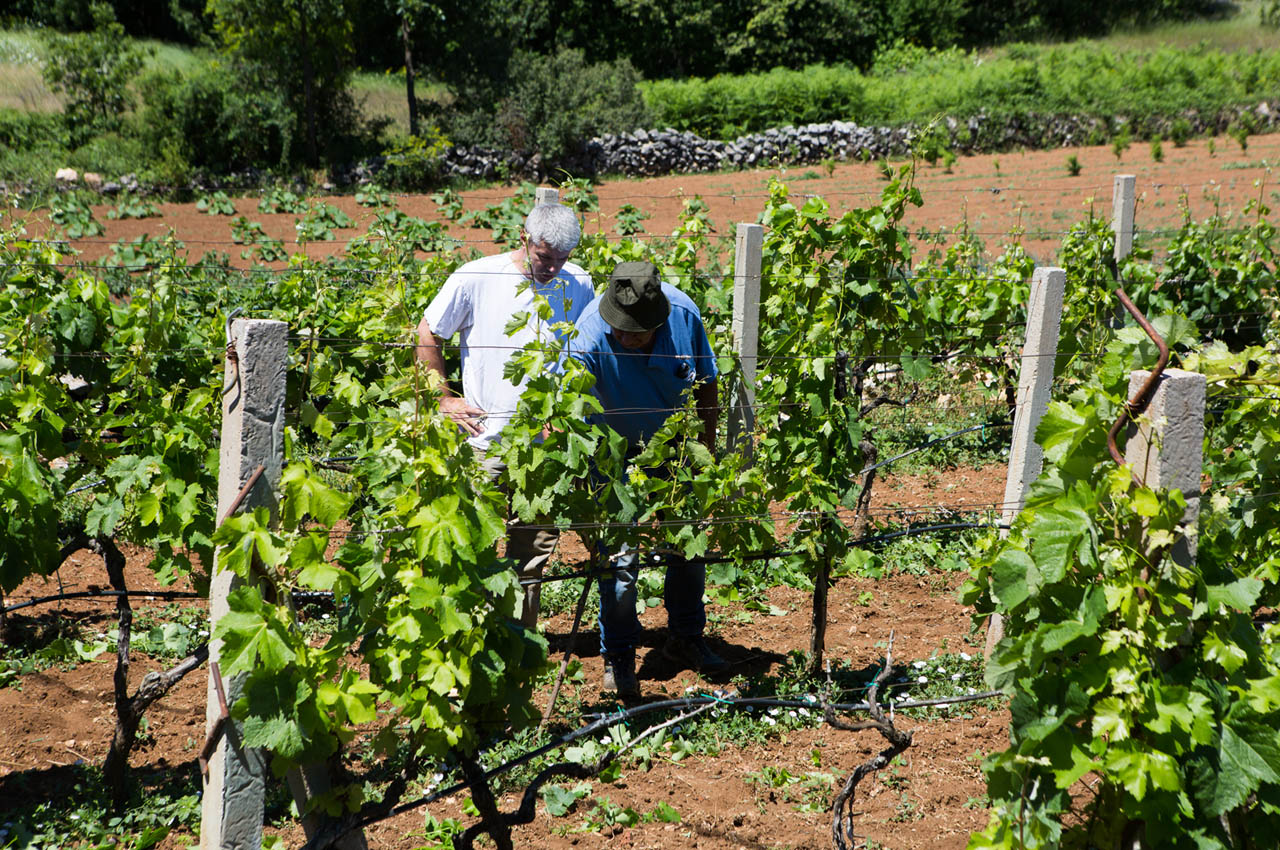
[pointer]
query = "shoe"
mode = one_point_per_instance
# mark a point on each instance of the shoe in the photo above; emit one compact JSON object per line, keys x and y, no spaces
{"x":620,"y":675}
{"x":693,"y":652}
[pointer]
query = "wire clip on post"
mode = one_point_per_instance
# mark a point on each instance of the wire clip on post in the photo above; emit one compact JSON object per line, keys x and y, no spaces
{"x":1135,"y":406}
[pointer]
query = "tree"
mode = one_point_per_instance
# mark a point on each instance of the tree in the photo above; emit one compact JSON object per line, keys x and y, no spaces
{"x":300,"y":48}
{"x":93,"y":69}
{"x":408,"y":11}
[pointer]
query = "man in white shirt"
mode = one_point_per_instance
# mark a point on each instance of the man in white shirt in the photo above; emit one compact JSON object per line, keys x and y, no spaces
{"x":477,"y":303}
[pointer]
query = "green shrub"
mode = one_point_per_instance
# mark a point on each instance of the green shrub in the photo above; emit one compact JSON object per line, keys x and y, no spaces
{"x":725,"y":107}
{"x":110,"y":154}
{"x":908,"y":84}
{"x":551,"y":104}
{"x":1073,"y":165}
{"x":21,"y":129}
{"x":215,"y":119}
{"x":93,"y":70}
{"x":1269,"y":14}
{"x":414,"y":163}
{"x":1180,"y":132}
{"x":1157,"y":150}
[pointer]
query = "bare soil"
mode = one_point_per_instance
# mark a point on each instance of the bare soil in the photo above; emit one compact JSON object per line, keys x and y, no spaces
{"x":59,"y":717}
{"x":1029,"y":193}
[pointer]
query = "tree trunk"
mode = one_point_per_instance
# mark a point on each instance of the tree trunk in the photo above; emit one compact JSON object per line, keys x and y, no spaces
{"x":130,"y":710}
{"x":308,"y":93}
{"x":408,"y":75}
{"x":818,"y":629}
{"x":116,"y":767}
{"x":862,"y":511}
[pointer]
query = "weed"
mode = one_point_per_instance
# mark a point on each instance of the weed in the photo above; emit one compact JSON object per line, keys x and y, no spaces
{"x":829,"y":166}
{"x":1157,"y":150}
{"x":79,"y":813}
{"x":1211,"y":147}
{"x":906,"y":811}
{"x":808,"y":792}
{"x":1240,"y":132}
{"x":1073,"y":165}
{"x":627,"y":220}
{"x":374,"y":196}
{"x":75,"y":217}
{"x":580,"y":194}
{"x":1120,"y":143}
{"x":449,"y":204}
{"x":131,"y":206}
{"x":216,"y":204}
{"x":278,"y":200}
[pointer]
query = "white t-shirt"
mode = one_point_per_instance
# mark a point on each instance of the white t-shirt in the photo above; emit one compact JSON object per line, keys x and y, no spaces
{"x":477,"y":301}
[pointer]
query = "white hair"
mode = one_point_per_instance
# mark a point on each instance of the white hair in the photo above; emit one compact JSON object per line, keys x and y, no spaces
{"x":553,"y":225}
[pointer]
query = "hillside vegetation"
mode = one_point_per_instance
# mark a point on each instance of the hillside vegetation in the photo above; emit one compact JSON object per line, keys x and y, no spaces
{"x":285,"y":95}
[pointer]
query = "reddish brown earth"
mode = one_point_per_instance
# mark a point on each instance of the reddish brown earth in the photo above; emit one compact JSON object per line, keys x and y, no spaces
{"x":931,"y":799}
{"x":1029,"y":191}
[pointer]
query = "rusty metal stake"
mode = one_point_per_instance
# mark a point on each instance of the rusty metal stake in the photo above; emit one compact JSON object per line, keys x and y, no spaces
{"x":1135,"y":406}
{"x":219,"y":726}
{"x":244,"y":492}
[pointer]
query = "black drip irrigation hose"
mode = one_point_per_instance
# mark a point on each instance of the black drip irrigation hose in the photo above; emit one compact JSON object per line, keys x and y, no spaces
{"x":662,"y":560}
{"x":686,"y":703}
{"x":100,"y":594}
{"x":304,"y":597}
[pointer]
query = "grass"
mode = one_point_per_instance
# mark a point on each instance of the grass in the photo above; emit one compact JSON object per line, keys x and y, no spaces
{"x":383,"y":96}
{"x":379,"y":95}
{"x":1239,"y":30}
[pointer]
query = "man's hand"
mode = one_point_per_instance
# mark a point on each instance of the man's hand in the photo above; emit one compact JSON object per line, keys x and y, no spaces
{"x":469,"y":417}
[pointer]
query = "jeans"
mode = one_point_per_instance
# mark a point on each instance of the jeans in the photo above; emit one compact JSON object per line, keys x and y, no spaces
{"x":681,"y":595}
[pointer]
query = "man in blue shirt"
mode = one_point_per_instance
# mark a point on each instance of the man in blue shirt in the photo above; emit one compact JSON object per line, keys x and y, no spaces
{"x":645,"y":343}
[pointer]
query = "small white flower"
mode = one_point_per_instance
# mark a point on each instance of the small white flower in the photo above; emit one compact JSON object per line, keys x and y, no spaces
{"x":771,"y":721}
{"x":972,"y":691}
{"x":919,"y":665}
{"x":955,"y":677}
{"x":966,"y":656}
{"x":791,"y":714}
{"x":811,"y":698}
{"x":942,"y":669}
{"x":690,"y":689}
{"x":922,"y":679}
{"x":804,"y":712}
{"x":773,"y":712}
{"x":324,"y":616}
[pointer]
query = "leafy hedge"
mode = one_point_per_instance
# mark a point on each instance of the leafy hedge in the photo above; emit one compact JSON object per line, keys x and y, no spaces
{"x":914,"y":85}
{"x":727,"y":106}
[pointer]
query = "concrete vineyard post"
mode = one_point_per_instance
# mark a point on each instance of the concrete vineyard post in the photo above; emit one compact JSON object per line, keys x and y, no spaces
{"x":1123,"y":198}
{"x":748,"y":258}
{"x":1035,"y":383}
{"x":253,"y":412}
{"x":546,"y":195}
{"x":1166,"y":445}
{"x":253,"y":405}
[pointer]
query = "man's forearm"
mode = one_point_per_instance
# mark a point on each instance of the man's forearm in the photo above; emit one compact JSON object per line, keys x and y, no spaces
{"x":429,"y":353}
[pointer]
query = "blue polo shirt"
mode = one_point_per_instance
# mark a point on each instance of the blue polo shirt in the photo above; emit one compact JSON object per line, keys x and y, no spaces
{"x":639,"y":391}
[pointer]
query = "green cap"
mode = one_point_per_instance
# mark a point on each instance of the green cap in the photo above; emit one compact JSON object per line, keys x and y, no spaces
{"x":634,"y":301}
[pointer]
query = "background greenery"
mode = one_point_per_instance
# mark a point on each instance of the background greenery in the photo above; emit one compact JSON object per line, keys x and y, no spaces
{"x":190,"y":90}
